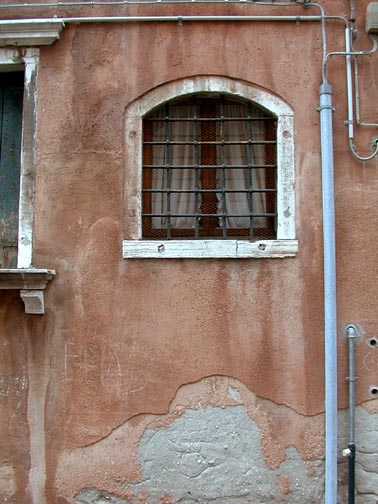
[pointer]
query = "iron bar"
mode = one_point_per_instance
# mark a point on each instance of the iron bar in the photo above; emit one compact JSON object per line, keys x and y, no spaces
{"x":220,"y":214}
{"x":194,"y":191}
{"x":217,"y":166}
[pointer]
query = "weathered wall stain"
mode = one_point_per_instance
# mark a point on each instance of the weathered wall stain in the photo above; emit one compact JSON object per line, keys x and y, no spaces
{"x":8,"y":482}
{"x":215,"y":445}
{"x":214,"y":455}
{"x":131,"y":354}
{"x":216,"y":442}
{"x":366,"y":455}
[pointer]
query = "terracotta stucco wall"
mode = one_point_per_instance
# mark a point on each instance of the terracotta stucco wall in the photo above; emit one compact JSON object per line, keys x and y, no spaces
{"x":155,"y":381}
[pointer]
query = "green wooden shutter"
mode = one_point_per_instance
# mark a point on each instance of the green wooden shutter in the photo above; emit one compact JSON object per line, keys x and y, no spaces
{"x":11,"y":95}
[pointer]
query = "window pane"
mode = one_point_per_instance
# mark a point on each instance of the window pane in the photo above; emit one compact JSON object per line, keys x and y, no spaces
{"x":214,"y":154}
{"x":11,"y":95}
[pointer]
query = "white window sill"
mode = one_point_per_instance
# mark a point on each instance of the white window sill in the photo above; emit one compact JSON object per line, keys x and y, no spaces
{"x":207,"y":249}
{"x":31,"y":284}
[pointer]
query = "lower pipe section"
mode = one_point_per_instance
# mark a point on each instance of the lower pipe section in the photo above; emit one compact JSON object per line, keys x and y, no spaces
{"x":351,"y":472}
{"x":330,"y":309}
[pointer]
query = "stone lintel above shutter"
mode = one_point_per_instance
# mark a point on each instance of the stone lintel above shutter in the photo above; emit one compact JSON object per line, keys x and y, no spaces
{"x":29,"y":32}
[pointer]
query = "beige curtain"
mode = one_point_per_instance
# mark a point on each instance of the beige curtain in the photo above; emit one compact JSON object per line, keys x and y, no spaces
{"x":241,"y":154}
{"x":186,"y":156}
{"x":174,"y":178}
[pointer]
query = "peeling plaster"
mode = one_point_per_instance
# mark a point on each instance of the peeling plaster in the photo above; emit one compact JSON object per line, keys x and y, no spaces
{"x":8,"y":484}
{"x":218,"y":443}
{"x":366,"y":455}
{"x":38,"y":382}
{"x":163,"y":457}
{"x":91,"y":495}
{"x":215,"y":455}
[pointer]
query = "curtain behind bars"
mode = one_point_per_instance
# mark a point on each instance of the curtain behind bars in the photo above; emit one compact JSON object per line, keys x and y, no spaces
{"x":187,"y":156}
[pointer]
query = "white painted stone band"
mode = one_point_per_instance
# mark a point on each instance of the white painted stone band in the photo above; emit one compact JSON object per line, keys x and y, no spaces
{"x":207,"y":249}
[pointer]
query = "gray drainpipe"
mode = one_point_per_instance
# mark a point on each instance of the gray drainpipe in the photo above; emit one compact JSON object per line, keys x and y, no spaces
{"x":330,"y":316}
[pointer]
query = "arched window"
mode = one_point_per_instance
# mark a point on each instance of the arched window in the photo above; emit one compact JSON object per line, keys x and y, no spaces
{"x":209,"y":170}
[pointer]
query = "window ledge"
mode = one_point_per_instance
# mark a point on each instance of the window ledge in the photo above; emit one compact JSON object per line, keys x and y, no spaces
{"x":33,"y":32}
{"x":31,"y":283}
{"x":207,"y":249}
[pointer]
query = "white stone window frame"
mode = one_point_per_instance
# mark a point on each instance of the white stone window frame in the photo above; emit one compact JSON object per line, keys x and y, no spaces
{"x":13,"y":60}
{"x":30,"y":281}
{"x":285,"y":244}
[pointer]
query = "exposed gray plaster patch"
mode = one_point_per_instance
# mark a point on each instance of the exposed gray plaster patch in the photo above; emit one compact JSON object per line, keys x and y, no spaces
{"x":214,"y":455}
{"x":8,"y":485}
{"x":94,"y":496}
{"x":306,"y":479}
{"x":232,"y":392}
{"x":366,"y":455}
{"x":182,"y":460}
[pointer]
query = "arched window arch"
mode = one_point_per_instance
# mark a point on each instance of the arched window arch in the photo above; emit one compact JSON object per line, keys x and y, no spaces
{"x":209,"y":172}
{"x":209,"y":169}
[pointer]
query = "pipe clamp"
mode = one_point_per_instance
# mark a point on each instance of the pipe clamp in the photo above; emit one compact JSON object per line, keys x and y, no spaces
{"x":324,"y":107}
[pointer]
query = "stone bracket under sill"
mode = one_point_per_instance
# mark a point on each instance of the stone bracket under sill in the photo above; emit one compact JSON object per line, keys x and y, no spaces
{"x":31,"y":284}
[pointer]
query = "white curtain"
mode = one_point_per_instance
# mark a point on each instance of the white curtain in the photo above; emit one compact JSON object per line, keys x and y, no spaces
{"x":242,"y":154}
{"x":174,"y":178}
{"x":186,"y":156}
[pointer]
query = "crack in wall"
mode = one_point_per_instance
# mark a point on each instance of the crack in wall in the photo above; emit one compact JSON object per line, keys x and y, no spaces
{"x":232,"y":392}
{"x":92,"y":495}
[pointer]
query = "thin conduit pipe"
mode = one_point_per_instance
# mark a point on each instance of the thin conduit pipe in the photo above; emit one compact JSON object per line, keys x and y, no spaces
{"x":142,"y":2}
{"x":149,"y":2}
{"x":349,"y":85}
{"x":179,"y":19}
{"x":324,"y":38}
{"x":357,"y":97}
{"x":123,"y":3}
{"x":352,"y":11}
{"x":351,"y":335}
{"x":353,"y":52}
{"x":348,"y":54}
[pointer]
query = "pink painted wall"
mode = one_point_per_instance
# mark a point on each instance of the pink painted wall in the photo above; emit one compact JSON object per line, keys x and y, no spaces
{"x":130,"y":345}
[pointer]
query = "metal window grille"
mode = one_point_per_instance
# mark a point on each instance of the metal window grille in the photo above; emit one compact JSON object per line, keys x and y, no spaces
{"x":209,"y":170}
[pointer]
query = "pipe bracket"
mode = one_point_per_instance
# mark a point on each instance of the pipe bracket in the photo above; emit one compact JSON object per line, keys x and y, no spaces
{"x":325,"y":107}
{"x":351,"y":330}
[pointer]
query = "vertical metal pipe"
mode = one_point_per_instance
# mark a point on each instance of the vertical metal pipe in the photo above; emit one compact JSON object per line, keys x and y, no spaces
{"x":349,"y":84}
{"x":351,"y":472}
{"x":330,"y":319}
{"x":351,"y":334}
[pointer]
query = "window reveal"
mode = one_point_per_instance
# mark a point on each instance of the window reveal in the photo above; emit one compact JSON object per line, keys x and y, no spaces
{"x":209,"y":170}
{"x":11,"y":97}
